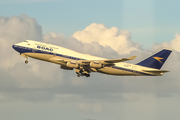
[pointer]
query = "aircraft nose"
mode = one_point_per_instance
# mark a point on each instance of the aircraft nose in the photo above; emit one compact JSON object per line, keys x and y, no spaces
{"x":15,"y":47}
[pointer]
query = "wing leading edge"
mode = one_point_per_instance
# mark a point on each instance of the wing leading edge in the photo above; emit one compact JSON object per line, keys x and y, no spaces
{"x":119,"y":60}
{"x":108,"y":61}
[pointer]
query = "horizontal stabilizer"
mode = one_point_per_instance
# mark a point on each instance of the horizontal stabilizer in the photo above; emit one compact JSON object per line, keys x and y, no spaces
{"x":156,"y":71}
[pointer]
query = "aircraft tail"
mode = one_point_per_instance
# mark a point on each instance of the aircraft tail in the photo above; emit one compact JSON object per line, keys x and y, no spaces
{"x":157,"y":60}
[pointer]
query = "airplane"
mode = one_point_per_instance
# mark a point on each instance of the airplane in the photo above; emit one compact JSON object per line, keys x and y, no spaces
{"x":84,"y":64}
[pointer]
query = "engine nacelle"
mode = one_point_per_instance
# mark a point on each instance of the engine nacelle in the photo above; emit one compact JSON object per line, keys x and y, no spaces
{"x":72,"y":64}
{"x":65,"y":67}
{"x":96,"y":64}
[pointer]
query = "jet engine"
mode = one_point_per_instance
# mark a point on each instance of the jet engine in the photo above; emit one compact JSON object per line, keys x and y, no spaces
{"x":72,"y":64}
{"x":65,"y":67}
{"x":96,"y":64}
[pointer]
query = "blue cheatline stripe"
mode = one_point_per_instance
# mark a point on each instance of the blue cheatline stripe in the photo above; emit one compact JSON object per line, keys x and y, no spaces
{"x":21,"y":50}
{"x":31,"y":50}
{"x":129,"y":70}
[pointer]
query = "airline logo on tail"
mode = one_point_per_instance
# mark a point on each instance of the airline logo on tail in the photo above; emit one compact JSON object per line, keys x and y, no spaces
{"x":158,"y":59}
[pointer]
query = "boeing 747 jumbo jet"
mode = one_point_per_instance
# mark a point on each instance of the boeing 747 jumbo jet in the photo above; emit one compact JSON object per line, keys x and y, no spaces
{"x":84,"y":64}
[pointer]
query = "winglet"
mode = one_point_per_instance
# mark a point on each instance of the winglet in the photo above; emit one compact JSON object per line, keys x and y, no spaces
{"x":131,"y":58}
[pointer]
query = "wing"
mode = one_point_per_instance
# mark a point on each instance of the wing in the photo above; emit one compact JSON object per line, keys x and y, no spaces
{"x":119,"y":60}
{"x":108,"y":61}
{"x":88,"y":65}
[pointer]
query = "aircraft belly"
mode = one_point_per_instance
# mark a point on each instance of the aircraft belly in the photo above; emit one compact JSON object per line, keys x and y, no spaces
{"x":44,"y":57}
{"x":112,"y":71}
{"x":40,"y":56}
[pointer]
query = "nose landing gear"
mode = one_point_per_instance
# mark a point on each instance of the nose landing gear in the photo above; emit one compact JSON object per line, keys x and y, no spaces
{"x":26,"y":61}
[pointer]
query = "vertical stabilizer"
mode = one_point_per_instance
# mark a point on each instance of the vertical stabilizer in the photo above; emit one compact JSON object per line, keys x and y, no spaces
{"x":157,"y":60}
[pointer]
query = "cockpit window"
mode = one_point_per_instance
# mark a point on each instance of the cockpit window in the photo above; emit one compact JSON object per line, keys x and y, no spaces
{"x":26,"y":41}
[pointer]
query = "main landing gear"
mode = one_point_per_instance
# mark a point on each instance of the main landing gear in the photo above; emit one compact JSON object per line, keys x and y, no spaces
{"x":81,"y":72}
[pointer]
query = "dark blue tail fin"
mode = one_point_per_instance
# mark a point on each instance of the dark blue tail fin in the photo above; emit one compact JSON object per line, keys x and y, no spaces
{"x":157,"y":60}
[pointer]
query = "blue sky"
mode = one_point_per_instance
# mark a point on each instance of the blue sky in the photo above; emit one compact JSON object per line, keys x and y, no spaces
{"x":150,"y":21}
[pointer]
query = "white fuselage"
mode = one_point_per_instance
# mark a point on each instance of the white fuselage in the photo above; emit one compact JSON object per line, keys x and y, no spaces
{"x":48,"y":52}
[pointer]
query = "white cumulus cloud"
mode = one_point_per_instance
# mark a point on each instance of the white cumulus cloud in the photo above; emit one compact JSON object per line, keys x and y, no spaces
{"x":90,"y":107}
{"x":175,"y":43}
{"x":95,"y":39}
{"x":118,"y":40}
{"x":13,"y":30}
